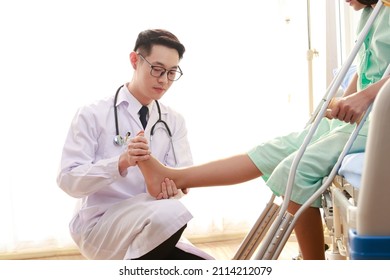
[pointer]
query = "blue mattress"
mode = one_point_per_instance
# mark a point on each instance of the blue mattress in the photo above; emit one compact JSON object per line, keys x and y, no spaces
{"x":351,"y":168}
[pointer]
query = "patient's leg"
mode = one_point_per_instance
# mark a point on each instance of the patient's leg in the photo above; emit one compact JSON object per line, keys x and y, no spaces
{"x":228,"y":171}
{"x":309,"y":232}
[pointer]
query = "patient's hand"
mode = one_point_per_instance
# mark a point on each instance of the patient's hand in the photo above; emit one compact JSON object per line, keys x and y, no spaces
{"x":348,"y":109}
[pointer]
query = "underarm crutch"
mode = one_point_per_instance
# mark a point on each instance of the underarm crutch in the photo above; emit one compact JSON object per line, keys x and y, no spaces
{"x":277,"y":234}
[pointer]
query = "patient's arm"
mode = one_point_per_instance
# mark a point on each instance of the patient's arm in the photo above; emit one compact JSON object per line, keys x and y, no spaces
{"x":229,"y":171}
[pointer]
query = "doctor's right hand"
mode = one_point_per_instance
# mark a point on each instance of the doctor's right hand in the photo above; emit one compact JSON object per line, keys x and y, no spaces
{"x":137,"y":150}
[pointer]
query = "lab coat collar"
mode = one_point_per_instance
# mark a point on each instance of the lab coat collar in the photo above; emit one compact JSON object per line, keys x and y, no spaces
{"x":133,"y":107}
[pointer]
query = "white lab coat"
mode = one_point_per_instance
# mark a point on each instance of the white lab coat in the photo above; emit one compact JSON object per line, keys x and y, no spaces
{"x":116,"y":218}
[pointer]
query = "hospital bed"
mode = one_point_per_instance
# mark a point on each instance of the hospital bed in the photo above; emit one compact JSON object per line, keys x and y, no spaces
{"x":339,"y":204}
{"x":356,"y":206}
{"x":354,"y":217}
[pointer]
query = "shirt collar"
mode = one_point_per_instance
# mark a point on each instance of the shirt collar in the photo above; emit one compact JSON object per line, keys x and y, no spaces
{"x":133,"y":105}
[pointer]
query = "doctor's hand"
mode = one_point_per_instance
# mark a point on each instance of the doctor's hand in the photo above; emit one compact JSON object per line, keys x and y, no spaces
{"x":137,"y":150}
{"x":168,"y":189}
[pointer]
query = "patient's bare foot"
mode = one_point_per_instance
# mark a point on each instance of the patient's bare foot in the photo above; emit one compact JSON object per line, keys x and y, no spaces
{"x":154,"y":173}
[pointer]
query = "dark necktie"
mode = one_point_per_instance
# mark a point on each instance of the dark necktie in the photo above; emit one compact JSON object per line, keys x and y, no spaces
{"x":143,"y":112}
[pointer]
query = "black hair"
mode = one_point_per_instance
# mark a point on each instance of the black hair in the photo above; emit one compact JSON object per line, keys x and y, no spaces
{"x":148,"y":38}
{"x":368,"y":2}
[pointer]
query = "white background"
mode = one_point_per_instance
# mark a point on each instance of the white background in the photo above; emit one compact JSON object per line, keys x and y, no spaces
{"x":243,"y":64}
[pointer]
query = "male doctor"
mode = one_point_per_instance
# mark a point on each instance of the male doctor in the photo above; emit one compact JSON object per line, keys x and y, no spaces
{"x":117,"y":218}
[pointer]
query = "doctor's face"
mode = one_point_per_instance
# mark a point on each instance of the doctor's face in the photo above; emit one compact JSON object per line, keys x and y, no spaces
{"x":155,"y":73}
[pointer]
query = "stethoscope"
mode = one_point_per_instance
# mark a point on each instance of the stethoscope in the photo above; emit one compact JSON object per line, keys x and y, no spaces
{"x":119,"y":140}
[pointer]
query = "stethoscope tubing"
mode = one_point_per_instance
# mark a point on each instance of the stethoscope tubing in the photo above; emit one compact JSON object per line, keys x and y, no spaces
{"x":119,"y":140}
{"x":116,"y":112}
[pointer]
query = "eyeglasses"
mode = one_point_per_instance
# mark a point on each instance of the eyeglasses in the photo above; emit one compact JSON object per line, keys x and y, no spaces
{"x":158,"y":71}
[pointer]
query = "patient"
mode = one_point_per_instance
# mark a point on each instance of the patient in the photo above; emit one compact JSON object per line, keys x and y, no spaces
{"x":272,"y":160}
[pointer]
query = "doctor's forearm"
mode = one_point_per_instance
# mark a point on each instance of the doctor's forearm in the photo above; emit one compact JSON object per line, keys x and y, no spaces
{"x":86,"y":179}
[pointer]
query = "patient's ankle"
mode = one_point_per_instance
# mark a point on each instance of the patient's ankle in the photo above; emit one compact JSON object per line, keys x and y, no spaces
{"x":152,"y":171}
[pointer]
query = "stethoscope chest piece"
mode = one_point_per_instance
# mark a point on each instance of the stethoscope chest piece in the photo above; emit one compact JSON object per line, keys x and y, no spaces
{"x":118,"y":140}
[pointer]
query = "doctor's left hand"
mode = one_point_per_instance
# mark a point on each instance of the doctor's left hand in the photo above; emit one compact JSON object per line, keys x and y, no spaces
{"x":168,"y":189}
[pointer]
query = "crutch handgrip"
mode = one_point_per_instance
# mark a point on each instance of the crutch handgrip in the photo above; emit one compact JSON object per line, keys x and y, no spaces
{"x":334,"y":102}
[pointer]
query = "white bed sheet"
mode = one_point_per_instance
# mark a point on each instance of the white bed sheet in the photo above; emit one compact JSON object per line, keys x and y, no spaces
{"x":352,"y":167}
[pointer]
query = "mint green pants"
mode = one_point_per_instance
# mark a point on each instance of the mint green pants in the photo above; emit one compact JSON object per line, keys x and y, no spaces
{"x":274,"y":158}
